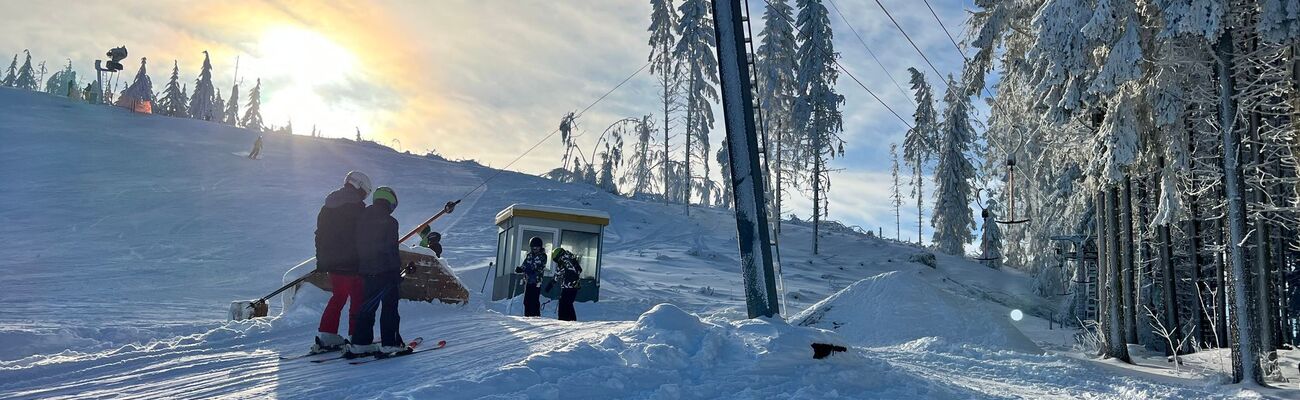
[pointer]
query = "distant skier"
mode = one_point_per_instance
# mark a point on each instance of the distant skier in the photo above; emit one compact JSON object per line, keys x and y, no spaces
{"x":257,"y":148}
{"x":381,"y":267}
{"x":431,"y":240}
{"x":532,"y":267}
{"x":336,"y":253}
{"x":567,"y":274}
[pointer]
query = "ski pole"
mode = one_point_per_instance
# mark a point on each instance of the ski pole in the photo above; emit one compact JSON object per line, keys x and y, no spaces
{"x":447,"y":209}
{"x":510,"y":306}
{"x":487,"y":275}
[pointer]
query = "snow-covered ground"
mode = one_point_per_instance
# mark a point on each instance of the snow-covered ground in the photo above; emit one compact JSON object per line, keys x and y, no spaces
{"x":124,"y":237}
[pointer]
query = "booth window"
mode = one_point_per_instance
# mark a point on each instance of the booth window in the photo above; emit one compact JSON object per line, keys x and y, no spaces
{"x":585,"y":245}
{"x":503,"y":256}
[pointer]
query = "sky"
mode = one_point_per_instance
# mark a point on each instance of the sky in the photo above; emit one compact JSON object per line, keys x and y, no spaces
{"x":486,"y":79}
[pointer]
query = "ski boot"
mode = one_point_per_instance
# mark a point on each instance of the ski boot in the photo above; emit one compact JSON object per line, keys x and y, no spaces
{"x":327,"y":342}
{"x":351,"y":351}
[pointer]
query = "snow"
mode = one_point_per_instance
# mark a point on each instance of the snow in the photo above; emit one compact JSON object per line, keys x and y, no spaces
{"x":898,"y":307}
{"x":124,"y":237}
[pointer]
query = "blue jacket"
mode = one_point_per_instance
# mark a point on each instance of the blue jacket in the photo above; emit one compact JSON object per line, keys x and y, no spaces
{"x":534,"y":264}
{"x":377,"y":241}
{"x":336,"y":231}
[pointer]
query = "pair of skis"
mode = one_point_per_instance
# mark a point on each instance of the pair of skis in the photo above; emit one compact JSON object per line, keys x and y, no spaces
{"x":414,"y":348}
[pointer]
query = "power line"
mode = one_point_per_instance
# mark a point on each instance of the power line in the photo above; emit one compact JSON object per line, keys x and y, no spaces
{"x":846,"y":72}
{"x":906,"y":95}
{"x":553,"y":132}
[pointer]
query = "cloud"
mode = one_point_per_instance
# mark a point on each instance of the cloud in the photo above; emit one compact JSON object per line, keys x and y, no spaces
{"x":447,"y":75}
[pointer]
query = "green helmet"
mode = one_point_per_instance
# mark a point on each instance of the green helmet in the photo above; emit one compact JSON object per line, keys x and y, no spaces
{"x":555,"y":254}
{"x":385,"y":193}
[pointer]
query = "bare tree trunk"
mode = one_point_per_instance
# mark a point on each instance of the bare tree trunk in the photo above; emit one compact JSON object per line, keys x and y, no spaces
{"x":1169,"y":279}
{"x":1244,"y":320}
{"x":1103,"y":276}
{"x":1115,"y":343}
{"x":920,"y":193}
{"x":1128,"y":284}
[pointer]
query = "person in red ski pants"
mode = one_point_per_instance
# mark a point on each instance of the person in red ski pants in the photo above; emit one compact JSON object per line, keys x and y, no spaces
{"x":336,"y":253}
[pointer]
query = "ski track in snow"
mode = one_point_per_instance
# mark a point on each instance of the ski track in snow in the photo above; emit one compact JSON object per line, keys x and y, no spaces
{"x":117,"y":281}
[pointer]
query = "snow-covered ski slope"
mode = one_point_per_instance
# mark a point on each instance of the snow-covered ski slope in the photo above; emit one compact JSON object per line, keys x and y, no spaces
{"x":124,"y":237}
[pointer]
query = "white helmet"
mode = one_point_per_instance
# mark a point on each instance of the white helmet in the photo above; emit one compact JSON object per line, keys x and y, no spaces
{"x":359,"y":180}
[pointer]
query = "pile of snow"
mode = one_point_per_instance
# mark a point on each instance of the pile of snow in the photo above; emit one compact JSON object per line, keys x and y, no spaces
{"x":897,"y":307}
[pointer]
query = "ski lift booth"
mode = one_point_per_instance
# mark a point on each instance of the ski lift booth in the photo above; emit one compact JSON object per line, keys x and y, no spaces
{"x":578,"y":231}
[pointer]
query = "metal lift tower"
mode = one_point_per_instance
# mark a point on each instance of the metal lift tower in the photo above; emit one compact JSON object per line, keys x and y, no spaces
{"x":747,"y":181}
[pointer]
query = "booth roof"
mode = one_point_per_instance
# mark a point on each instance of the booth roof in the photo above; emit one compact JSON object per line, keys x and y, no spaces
{"x":554,"y":213}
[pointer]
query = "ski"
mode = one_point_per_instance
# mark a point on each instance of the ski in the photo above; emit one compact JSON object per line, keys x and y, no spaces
{"x":309,"y":354}
{"x":413,"y":344}
{"x":441,"y":344}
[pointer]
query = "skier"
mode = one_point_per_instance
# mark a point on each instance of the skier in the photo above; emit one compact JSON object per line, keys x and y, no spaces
{"x":534,"y":264}
{"x":336,"y":253}
{"x":567,"y":273}
{"x":431,"y":240}
{"x":257,"y":149}
{"x":381,"y":267}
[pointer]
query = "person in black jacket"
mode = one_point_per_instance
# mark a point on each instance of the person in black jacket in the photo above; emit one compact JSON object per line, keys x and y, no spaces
{"x":532,"y":267}
{"x":381,"y":269}
{"x":336,"y":254}
{"x":567,"y":274}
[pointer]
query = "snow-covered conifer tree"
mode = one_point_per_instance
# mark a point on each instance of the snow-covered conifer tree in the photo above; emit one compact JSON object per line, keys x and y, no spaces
{"x":895,"y":195}
{"x":952,"y":220}
{"x":664,"y":63}
{"x":26,"y":79}
{"x":695,"y":52}
{"x":202,"y":104}
{"x":231,"y":115}
{"x":919,"y":146}
{"x":11,"y":74}
{"x":253,"y":115}
{"x":816,"y":113}
{"x":219,"y":105}
{"x":777,"y":70}
{"x":639,"y":178}
{"x":58,"y":82}
{"x":173,"y":99}
{"x":140,"y":90}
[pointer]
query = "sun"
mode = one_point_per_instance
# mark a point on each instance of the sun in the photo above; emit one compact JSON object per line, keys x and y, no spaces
{"x":307,"y":71}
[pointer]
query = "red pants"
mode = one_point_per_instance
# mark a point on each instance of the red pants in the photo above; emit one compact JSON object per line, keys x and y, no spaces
{"x":345,"y":287}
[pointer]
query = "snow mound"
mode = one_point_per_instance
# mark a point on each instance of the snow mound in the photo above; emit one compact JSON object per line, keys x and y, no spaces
{"x":894,"y":308}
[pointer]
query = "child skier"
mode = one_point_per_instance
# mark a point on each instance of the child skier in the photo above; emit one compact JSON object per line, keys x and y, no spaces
{"x":567,"y":274}
{"x":534,"y":264}
{"x":431,"y":240}
{"x":381,"y":267}
{"x":336,"y":254}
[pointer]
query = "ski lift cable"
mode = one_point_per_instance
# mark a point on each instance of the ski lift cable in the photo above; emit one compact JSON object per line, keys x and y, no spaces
{"x":553,"y":132}
{"x":906,"y":95}
{"x":850,"y":74}
{"x":909,"y":40}
{"x":951,"y":39}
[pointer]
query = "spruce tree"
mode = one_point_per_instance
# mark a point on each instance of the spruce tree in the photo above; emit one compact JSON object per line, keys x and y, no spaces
{"x":253,"y":115}
{"x":11,"y":74}
{"x":990,"y":237}
{"x":952,"y":219}
{"x":202,"y":104}
{"x":777,"y":68}
{"x":695,"y":51}
{"x":173,"y":99}
{"x":140,"y":90}
{"x":817,"y":117}
{"x":663,"y":37}
{"x":919,"y":146}
{"x":896,"y":196}
{"x":231,"y":116}
{"x":26,"y":79}
{"x":220,"y":106}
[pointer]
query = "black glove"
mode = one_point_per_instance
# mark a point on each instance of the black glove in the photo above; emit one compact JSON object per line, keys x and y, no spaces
{"x":519,"y":270}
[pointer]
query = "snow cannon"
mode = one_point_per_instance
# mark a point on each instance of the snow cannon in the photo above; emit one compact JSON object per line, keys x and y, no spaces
{"x":577,"y":230}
